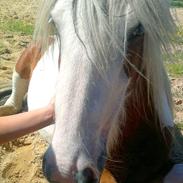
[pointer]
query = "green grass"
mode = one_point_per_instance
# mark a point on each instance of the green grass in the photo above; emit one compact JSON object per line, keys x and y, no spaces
{"x":177,"y":3}
{"x":175,"y":66}
{"x":175,"y":69}
{"x":16,"y":26}
{"x":180,"y":126}
{"x":178,"y":39}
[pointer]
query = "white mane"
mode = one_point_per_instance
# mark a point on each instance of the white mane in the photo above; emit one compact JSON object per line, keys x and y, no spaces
{"x":105,"y":26}
{"x":44,"y":27}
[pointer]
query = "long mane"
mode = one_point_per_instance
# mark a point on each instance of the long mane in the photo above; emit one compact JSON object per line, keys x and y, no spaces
{"x":108,"y":22}
{"x":44,"y":27}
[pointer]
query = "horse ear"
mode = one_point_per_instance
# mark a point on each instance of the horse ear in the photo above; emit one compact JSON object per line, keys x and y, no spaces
{"x":107,"y":177}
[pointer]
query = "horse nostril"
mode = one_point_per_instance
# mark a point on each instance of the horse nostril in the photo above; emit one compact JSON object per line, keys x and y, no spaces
{"x":86,"y":176}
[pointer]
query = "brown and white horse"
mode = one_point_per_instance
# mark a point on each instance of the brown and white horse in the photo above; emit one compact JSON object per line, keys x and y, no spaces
{"x":113,"y":102}
{"x":20,"y":79}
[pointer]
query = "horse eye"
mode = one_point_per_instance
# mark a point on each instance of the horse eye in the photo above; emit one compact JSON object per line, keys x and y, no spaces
{"x":52,"y":24}
{"x":50,"y":20}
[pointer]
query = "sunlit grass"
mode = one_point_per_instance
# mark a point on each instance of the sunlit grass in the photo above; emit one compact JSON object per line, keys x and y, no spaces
{"x":175,"y":69}
{"x":178,"y":38}
{"x":175,"y":66}
{"x":16,"y":26}
{"x":177,"y":3}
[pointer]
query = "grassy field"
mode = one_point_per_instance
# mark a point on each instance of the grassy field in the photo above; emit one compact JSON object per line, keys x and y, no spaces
{"x":177,"y":3}
{"x":174,"y":64}
{"x":17,"y":27}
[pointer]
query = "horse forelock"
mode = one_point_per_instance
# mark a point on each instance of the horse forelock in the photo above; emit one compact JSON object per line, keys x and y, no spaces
{"x":106,"y":23}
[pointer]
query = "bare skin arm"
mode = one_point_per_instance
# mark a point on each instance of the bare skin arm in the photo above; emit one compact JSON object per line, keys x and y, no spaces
{"x":14,"y":126}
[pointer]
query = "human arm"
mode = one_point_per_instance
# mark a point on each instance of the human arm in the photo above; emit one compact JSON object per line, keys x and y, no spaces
{"x":14,"y":126}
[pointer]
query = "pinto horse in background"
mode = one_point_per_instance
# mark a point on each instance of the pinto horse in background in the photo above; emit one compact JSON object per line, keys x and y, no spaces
{"x":20,"y":79}
{"x":113,"y":102}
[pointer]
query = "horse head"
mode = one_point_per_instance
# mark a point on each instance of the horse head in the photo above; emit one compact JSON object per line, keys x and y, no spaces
{"x":92,"y":86}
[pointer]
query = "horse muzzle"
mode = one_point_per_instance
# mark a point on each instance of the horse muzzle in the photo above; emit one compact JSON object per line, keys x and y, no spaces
{"x":53,"y":175}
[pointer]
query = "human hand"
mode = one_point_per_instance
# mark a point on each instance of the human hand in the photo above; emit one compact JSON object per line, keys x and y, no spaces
{"x":50,"y":108}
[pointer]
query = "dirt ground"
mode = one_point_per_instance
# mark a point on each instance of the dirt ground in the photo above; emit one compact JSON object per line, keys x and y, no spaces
{"x":179,"y":13}
{"x":20,"y":160}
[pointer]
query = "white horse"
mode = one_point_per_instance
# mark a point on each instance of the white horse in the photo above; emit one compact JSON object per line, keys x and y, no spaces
{"x":93,"y":84}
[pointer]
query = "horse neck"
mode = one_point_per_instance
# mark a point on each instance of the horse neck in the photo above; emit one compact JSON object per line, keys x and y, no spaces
{"x":140,"y":124}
